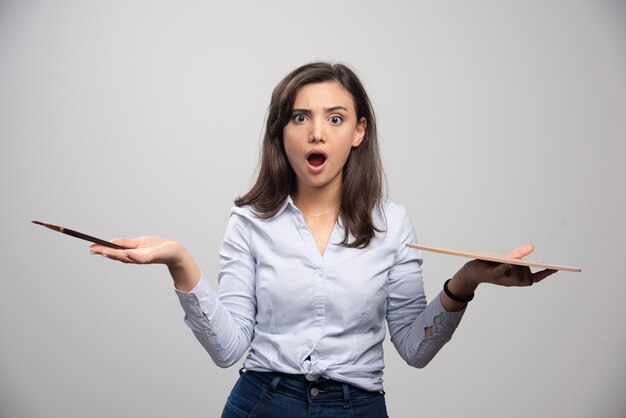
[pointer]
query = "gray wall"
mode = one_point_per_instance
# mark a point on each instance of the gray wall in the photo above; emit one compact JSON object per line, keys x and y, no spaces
{"x":501,"y":123}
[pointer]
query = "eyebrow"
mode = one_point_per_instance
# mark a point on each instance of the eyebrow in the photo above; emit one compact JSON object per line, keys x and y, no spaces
{"x":326,"y":109}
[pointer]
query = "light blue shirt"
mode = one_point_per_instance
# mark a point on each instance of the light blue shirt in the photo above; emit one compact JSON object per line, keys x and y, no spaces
{"x":299,"y":312}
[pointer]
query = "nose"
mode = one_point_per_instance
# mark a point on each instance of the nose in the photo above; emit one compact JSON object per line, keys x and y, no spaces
{"x":317,"y":132}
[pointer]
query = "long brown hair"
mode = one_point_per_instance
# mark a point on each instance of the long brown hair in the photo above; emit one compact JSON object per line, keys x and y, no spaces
{"x":362,"y":174}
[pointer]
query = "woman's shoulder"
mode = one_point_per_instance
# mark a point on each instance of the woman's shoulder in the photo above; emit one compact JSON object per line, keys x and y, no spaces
{"x":393,"y":209}
{"x":250,"y":213}
{"x":245,"y":212}
{"x":391,"y":217}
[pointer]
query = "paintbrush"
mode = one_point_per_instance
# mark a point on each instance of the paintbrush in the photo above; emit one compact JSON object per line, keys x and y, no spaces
{"x":80,"y":235}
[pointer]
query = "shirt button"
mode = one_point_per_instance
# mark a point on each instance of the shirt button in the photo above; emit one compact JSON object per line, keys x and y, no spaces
{"x":315,"y":391}
{"x":319,"y":312}
{"x":310,"y":345}
{"x":320,"y":273}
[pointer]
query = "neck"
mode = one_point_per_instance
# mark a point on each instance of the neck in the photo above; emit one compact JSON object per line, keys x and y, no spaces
{"x":315,"y":201}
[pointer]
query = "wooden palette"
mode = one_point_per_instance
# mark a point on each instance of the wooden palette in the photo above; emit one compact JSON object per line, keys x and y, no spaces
{"x":494,"y":257}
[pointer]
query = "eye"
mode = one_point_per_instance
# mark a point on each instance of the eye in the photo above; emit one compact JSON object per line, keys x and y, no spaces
{"x":299,"y":118}
{"x":335,"y":119}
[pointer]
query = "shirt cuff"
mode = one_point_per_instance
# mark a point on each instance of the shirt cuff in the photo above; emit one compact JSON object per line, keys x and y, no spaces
{"x":199,"y":303}
{"x":442,"y":321}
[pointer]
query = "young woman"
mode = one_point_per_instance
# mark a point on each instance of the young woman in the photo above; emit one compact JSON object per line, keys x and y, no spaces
{"x":314,"y":262}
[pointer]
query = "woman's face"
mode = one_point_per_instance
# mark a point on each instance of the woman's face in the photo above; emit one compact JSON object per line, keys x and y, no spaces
{"x":322,"y":131}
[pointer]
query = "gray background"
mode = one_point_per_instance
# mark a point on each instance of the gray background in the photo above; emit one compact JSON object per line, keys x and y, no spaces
{"x":501,"y":122}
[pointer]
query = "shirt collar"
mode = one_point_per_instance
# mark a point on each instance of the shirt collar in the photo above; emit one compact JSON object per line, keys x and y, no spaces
{"x":288,"y":202}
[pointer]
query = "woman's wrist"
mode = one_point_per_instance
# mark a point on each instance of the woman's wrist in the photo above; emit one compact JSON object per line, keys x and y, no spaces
{"x":458,"y":291}
{"x":465,"y":298}
{"x":462,"y":285}
{"x":183,"y":270}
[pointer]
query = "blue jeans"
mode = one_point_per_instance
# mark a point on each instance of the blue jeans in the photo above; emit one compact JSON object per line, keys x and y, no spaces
{"x":275,"y":395}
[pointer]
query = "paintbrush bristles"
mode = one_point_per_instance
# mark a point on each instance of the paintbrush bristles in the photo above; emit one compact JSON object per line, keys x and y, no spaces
{"x":49,"y":226}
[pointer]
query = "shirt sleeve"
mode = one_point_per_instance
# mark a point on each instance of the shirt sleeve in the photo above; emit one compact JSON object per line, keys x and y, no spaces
{"x":223,"y":321}
{"x":408,"y":314}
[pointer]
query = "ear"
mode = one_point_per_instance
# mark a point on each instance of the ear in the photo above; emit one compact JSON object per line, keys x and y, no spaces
{"x":359,"y":132}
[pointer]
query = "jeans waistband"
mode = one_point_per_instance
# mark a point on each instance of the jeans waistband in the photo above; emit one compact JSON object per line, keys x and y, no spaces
{"x":321,"y":390}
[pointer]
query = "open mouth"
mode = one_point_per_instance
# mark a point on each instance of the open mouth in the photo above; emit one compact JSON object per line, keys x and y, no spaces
{"x":316,"y":159}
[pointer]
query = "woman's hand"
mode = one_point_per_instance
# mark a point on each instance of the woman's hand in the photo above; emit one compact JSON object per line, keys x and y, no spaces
{"x":142,"y":250}
{"x":155,"y":250}
{"x":475,"y":272}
